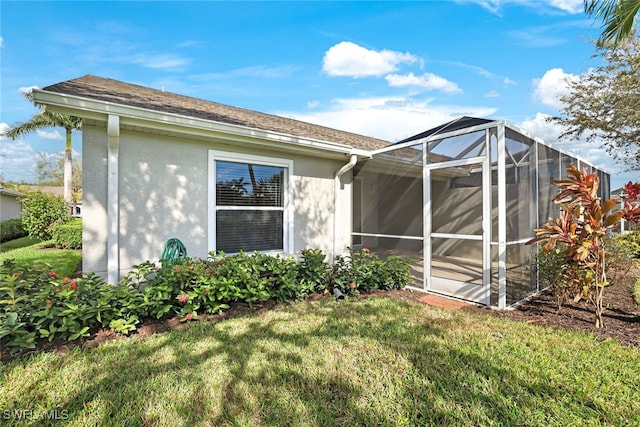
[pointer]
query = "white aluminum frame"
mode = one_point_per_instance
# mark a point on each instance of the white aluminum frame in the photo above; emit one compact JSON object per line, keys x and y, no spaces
{"x":288,"y":210}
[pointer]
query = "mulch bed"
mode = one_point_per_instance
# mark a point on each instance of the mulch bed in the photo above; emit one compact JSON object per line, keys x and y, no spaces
{"x":621,"y":318}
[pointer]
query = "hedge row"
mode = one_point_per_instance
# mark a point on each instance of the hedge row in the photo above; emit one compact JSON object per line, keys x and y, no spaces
{"x":12,"y":229}
{"x":38,"y":304}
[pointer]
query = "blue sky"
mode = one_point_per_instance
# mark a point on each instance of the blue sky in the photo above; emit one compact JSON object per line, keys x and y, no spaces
{"x":383,"y":69}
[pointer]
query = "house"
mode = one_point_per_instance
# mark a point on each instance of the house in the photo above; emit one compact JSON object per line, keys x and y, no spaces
{"x":10,"y":207}
{"x":460,"y":199}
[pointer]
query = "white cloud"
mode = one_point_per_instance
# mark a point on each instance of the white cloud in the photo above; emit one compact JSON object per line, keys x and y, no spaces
{"x":570,"y":6}
{"x":426,"y":81}
{"x":495,"y":6}
{"x":17,"y":158}
{"x":160,"y":61}
{"x":475,"y":68}
{"x":313,"y":104}
{"x":492,"y":94}
{"x":553,"y":85}
{"x":1,"y":42}
{"x":539,"y":127}
{"x":348,"y":59}
{"x":51,"y":135}
{"x":508,"y":82}
{"x":387,"y":118}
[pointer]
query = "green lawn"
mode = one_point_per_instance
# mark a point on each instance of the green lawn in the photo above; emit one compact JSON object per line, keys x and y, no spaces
{"x":18,"y":243}
{"x":26,"y":251}
{"x":365,"y":362}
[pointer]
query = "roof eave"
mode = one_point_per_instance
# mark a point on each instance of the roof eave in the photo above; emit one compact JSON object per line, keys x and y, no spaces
{"x":88,"y":108}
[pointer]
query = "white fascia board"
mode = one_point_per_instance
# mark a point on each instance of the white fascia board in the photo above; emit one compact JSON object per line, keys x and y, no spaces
{"x":170,"y":122}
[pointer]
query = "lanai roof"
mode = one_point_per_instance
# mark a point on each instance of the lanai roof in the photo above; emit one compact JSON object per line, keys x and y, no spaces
{"x":117,"y":92}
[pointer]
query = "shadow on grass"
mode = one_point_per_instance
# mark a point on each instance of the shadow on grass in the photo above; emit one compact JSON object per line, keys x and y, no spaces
{"x":424,"y":375}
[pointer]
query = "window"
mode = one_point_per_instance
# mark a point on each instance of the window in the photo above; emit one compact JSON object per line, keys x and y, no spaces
{"x":249,"y":203}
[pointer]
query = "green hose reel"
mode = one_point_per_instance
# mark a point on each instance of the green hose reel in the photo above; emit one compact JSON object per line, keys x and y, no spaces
{"x":173,"y":250}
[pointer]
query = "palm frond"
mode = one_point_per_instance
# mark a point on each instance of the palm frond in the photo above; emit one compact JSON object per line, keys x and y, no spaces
{"x":617,"y":16}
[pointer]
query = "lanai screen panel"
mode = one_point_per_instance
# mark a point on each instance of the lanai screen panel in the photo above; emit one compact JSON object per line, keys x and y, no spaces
{"x":521,"y":206}
{"x":389,"y":218}
{"x":549,"y":169}
{"x":456,"y":207}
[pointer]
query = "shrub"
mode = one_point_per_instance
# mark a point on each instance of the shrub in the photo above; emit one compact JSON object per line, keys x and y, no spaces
{"x":622,"y":255}
{"x":36,"y":303}
{"x":41,"y":212}
{"x":363,"y":271}
{"x":11,"y":229}
{"x":580,"y":231}
{"x":555,"y":272}
{"x":68,"y":235}
{"x":314,"y":271}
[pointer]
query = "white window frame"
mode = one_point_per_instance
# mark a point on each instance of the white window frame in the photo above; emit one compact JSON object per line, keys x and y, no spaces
{"x":287,"y":220}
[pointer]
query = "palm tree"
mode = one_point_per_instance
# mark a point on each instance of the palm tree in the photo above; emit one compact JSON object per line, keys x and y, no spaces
{"x":617,"y":16}
{"x":47,"y":119}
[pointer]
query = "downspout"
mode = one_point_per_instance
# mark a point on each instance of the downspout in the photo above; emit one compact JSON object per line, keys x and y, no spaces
{"x":336,"y":191}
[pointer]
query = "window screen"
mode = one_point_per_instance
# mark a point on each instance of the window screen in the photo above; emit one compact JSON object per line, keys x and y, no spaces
{"x":249,"y":207}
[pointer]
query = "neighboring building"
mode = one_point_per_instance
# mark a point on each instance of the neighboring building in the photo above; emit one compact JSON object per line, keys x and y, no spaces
{"x":10,"y":207}
{"x":460,"y":199}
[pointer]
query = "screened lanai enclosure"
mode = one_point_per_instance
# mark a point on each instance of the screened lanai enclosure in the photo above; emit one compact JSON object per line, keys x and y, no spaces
{"x":461,"y":200}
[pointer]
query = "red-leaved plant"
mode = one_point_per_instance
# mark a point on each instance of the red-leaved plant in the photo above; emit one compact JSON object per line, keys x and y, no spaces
{"x":579,"y":235}
{"x":631,"y":202}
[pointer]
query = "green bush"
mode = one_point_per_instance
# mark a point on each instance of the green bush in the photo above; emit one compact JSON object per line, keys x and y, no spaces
{"x":41,"y":212}
{"x":68,"y":235}
{"x":556,"y":273}
{"x":363,"y":271}
{"x":11,"y":229}
{"x":622,"y":255}
{"x":36,"y":303}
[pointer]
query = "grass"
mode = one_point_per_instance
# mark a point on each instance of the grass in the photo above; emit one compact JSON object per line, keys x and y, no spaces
{"x":18,"y":243}
{"x":359,"y":362}
{"x":26,"y":251}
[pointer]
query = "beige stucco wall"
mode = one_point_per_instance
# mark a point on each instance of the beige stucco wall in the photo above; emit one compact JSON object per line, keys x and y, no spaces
{"x":9,"y":207}
{"x":163,"y":192}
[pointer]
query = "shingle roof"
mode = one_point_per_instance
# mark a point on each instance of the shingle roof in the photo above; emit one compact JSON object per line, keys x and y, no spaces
{"x":103,"y":89}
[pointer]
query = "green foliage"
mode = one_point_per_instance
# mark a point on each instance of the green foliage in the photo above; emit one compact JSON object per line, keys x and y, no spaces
{"x":556,"y":273}
{"x":38,"y":303}
{"x":578,"y":236}
{"x":314,"y":271}
{"x":636,"y":291}
{"x":363,"y":271}
{"x":622,"y":254}
{"x":50,"y":170}
{"x":41,"y":212}
{"x":600,"y":105}
{"x":68,"y":235}
{"x":617,"y":18}
{"x":12,"y":229}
